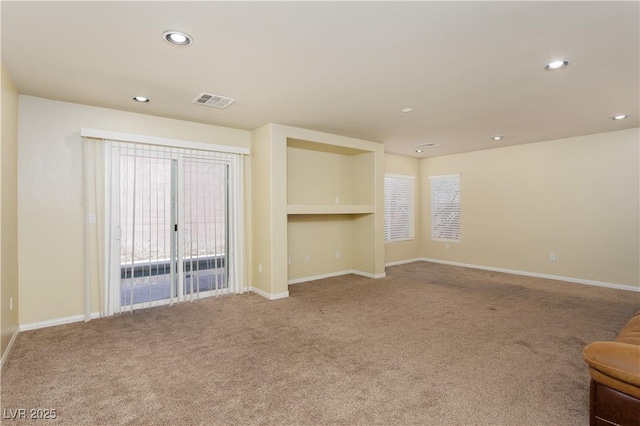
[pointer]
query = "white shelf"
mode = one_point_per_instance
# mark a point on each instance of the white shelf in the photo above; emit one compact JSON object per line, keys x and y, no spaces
{"x":330,"y":209}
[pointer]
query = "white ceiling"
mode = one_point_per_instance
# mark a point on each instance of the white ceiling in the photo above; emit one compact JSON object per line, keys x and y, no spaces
{"x":470,"y":70}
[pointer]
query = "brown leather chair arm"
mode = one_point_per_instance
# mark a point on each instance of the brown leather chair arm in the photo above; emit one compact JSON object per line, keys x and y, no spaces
{"x":618,"y":360}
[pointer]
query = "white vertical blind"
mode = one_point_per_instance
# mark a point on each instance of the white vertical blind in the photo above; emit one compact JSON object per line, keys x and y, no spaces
{"x":144,"y":217}
{"x":445,"y":207}
{"x":205,"y":189}
{"x":175,"y":208}
{"x":135,"y":196}
{"x":398,"y":207}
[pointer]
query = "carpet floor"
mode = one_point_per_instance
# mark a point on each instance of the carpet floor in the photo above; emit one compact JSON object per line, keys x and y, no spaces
{"x":428,"y":344}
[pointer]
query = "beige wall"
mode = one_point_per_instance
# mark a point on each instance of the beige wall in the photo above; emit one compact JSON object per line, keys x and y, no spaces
{"x":293,"y":166}
{"x":318,"y":178}
{"x":337,"y":177}
{"x":319,"y":168}
{"x":8,"y":212}
{"x":406,"y":250}
{"x":319,"y":237}
{"x":50,"y":232}
{"x":261,"y":269}
{"x":575,"y":197}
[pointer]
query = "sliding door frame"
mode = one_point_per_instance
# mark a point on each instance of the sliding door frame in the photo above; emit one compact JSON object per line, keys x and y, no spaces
{"x":234,"y":250}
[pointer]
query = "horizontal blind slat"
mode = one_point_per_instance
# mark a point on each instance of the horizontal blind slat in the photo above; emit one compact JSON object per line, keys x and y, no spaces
{"x":445,"y":211}
{"x":398,"y":207}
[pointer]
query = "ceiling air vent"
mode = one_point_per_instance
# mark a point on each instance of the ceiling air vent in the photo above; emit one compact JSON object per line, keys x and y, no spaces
{"x":428,"y":145}
{"x":215,"y":101}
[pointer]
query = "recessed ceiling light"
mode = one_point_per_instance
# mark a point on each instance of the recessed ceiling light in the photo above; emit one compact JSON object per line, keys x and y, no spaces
{"x":177,"y":38}
{"x":419,"y":150}
{"x":619,"y":117}
{"x":497,"y":138}
{"x":140,"y":99}
{"x":556,"y":65}
{"x":407,"y":109}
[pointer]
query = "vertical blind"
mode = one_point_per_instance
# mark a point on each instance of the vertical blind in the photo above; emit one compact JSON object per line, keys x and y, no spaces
{"x":143,"y":181}
{"x":398,"y":207}
{"x":205,"y":230}
{"x":164,"y":221}
{"x":176,"y":210}
{"x":445,"y":207}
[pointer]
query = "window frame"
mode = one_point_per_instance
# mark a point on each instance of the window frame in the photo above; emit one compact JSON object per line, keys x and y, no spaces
{"x":457,"y":197}
{"x":410,"y":220}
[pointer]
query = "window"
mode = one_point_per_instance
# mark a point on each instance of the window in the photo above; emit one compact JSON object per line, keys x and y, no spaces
{"x":398,"y":207}
{"x":445,"y":207}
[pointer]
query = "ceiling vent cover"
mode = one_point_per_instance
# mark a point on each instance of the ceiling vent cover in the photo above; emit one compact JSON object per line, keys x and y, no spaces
{"x":428,"y":145}
{"x":215,"y":101}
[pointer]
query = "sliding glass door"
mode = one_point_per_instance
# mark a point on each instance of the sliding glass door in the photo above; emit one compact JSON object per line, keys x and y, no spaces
{"x":170,"y":217}
{"x":205,"y":226}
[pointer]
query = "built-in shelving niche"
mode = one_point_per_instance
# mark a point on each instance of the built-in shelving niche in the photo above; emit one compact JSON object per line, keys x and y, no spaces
{"x":330,"y":209}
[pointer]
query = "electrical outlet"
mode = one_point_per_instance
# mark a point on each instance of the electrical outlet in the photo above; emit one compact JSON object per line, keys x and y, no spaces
{"x":446,"y":246}
{"x":337,"y":254}
{"x":92,"y":218}
{"x":307,"y":258}
{"x":552,"y":257}
{"x":337,"y":200}
{"x":288,"y":261}
{"x":259,"y":267}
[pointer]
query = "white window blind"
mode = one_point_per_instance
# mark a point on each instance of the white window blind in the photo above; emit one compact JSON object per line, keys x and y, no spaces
{"x":398,"y":207}
{"x":445,"y":207}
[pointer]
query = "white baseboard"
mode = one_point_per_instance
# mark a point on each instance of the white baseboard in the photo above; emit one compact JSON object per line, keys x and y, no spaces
{"x":536,"y":275}
{"x":269,"y":296}
{"x":57,"y":321}
{"x":335,"y":274}
{"x":368,"y":275}
{"x":403,"y":262}
{"x":5,"y":355}
{"x":319,"y":277}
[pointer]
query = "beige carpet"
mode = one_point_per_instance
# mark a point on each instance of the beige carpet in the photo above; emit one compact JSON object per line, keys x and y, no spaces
{"x":429,"y":344}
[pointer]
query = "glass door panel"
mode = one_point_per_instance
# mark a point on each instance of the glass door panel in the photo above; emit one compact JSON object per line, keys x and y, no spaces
{"x":171,"y":209}
{"x":205,"y":217}
{"x":146,"y":227}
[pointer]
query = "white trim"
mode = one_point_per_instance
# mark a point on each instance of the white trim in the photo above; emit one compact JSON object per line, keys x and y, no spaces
{"x":335,"y":274}
{"x":319,"y":277}
{"x":403,"y":262}
{"x":444,"y":176}
{"x":399,"y":190}
{"x":399,"y":240}
{"x":57,"y":321}
{"x":400,"y":176}
{"x":154,"y":140}
{"x":537,"y":275}
{"x":5,"y":355}
{"x":368,"y":275}
{"x":270,"y":296}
